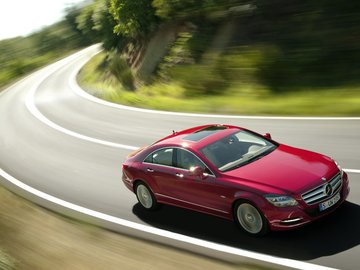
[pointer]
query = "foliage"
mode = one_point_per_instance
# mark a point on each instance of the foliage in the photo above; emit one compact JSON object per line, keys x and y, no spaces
{"x":200,"y":80}
{"x":249,"y":101}
{"x":312,"y":47}
{"x":96,"y":22}
{"x":196,"y":78}
{"x":21,"y":55}
{"x":190,"y":9}
{"x":85,"y":21}
{"x":134,"y":18}
{"x":188,"y":48}
{"x":120,"y":69}
{"x":317,"y":41}
{"x":201,"y":39}
{"x":302,"y":43}
{"x":242,"y":65}
{"x":70,"y":24}
{"x":170,"y":9}
{"x":214,"y":75}
{"x":179,"y":53}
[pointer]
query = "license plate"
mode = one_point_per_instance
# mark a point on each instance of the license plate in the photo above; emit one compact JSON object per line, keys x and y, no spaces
{"x":329,"y":203}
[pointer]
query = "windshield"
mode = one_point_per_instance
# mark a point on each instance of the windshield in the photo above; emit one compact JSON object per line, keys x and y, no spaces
{"x":237,"y":149}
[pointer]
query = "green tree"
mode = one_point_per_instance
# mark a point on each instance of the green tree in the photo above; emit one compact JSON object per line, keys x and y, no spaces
{"x":317,"y":42}
{"x":85,"y":22}
{"x":180,"y":9}
{"x":134,"y":18}
{"x":104,"y":23}
{"x":96,"y":22}
{"x":75,"y":35}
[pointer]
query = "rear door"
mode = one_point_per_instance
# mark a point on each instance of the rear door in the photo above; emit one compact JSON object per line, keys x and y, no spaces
{"x":159,"y":168}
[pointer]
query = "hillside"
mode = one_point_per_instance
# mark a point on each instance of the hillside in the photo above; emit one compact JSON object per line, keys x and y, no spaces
{"x":249,"y":57}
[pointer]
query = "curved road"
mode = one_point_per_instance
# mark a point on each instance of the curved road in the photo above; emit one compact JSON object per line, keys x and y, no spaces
{"x":58,"y":140}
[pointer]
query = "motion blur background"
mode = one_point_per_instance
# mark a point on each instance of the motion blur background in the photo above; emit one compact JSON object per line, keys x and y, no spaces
{"x":238,"y":55}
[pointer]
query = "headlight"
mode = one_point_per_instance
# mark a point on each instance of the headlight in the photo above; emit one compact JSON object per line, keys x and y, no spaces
{"x":281,"y":200}
{"x":339,"y":167}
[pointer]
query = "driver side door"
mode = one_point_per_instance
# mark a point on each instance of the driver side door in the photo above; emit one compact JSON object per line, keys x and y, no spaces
{"x":200,"y":193}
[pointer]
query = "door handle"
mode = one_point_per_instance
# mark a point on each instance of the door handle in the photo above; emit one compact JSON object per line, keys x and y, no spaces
{"x":179,"y":175}
{"x":150,"y":170}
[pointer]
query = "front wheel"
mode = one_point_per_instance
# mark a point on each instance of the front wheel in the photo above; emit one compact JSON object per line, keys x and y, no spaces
{"x":145,"y":197}
{"x":250,"y":219}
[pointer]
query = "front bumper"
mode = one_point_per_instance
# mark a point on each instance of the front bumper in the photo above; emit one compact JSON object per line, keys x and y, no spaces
{"x":292,"y":217}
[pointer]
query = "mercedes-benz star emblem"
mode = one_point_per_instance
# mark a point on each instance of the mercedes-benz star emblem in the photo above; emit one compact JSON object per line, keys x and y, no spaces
{"x":328,"y":190}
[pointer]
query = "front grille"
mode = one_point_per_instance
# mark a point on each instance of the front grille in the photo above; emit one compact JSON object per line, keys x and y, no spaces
{"x":322,"y":192}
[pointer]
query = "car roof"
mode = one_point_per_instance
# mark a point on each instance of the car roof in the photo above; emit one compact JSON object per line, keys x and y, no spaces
{"x":198,"y":137}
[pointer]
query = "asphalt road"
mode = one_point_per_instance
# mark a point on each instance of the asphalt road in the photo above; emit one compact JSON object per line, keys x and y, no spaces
{"x":68,"y":146}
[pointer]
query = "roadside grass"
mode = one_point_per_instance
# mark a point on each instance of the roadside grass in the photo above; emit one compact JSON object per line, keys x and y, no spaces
{"x":6,"y":262}
{"x":32,"y":237}
{"x":240,"y":99}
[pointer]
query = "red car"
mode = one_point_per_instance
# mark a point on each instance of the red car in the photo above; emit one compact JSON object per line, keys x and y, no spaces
{"x":237,"y":174}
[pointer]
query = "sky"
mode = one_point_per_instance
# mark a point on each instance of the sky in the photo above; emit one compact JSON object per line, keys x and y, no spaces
{"x":22,"y":17}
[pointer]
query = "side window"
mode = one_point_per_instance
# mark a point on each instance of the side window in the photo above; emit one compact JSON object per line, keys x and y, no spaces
{"x":162,"y":157}
{"x":186,"y":160}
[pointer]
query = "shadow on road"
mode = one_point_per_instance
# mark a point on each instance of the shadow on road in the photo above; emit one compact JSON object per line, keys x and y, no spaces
{"x":330,"y":235}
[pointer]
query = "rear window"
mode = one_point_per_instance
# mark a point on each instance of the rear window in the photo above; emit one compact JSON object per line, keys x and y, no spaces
{"x":203,"y":133}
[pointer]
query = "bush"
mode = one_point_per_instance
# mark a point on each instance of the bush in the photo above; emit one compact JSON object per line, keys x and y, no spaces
{"x":120,"y":69}
{"x":244,"y":64}
{"x":200,"y":80}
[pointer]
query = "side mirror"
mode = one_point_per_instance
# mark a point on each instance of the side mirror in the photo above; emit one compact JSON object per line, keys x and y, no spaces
{"x":197,"y":171}
{"x":267,"y":135}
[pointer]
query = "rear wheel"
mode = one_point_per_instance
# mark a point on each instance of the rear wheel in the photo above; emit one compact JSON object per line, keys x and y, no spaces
{"x":250,"y":219}
{"x":145,"y":197}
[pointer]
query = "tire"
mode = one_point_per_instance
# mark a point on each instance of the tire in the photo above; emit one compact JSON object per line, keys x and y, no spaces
{"x":145,"y":197}
{"x":250,"y":219}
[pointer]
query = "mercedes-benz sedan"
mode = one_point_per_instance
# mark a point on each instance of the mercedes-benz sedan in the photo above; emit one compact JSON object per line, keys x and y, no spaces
{"x":237,"y":174}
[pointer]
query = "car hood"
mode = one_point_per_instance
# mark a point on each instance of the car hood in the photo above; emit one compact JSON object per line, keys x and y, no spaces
{"x":287,"y":168}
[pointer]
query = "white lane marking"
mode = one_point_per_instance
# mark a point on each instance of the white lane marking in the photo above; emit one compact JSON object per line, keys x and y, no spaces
{"x":80,"y":92}
{"x":351,"y":171}
{"x":159,"y":232}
